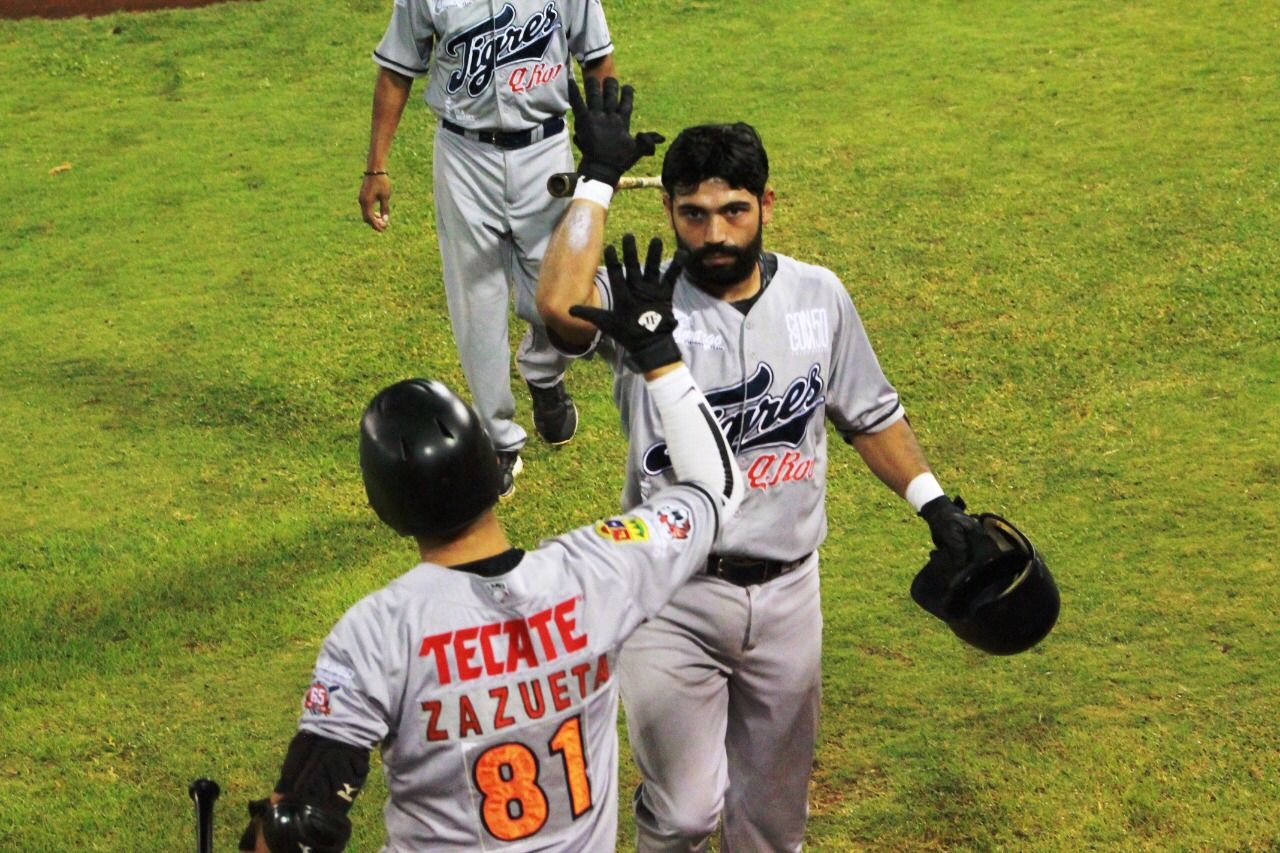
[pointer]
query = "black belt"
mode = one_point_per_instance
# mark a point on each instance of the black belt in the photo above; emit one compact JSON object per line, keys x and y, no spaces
{"x":747,"y":571}
{"x":508,"y":140}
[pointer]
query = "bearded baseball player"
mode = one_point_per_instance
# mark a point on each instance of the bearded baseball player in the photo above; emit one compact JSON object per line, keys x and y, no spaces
{"x":486,"y":675}
{"x":497,"y":77}
{"x":722,"y":687}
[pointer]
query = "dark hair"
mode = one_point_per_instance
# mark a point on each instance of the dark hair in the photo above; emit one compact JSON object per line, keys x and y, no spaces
{"x":732,"y":152}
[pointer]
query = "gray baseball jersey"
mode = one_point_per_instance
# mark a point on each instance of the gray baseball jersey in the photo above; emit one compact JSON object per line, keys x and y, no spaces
{"x":746,"y":661}
{"x":496,"y":66}
{"x":493,"y":698}
{"x":771,"y":376}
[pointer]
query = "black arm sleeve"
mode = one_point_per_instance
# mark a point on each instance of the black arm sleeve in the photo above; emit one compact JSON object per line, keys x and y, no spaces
{"x":323,"y":772}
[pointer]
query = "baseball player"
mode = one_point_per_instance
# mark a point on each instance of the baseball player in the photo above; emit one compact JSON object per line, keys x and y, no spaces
{"x":496,"y":80}
{"x":780,"y":350}
{"x":486,"y":675}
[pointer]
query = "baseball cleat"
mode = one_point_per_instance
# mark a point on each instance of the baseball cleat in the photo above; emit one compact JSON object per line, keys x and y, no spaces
{"x":555,"y":416}
{"x":509,"y":465}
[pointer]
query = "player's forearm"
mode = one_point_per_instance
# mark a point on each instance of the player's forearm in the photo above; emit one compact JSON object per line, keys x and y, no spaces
{"x":893,"y":455}
{"x":390,"y":95}
{"x":600,"y":68}
{"x":696,"y":443}
{"x":568,"y":270}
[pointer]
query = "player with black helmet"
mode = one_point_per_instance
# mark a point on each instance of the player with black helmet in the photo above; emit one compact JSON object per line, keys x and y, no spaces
{"x":485,"y":675}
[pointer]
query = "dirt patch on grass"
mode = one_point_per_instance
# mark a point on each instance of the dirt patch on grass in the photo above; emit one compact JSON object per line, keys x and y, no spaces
{"x":72,"y":8}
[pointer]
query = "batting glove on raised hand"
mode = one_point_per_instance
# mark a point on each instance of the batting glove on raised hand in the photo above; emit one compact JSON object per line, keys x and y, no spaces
{"x":641,"y":320}
{"x":602,"y":130}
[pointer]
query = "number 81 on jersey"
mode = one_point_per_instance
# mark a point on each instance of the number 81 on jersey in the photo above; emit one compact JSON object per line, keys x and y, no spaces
{"x":518,"y":796}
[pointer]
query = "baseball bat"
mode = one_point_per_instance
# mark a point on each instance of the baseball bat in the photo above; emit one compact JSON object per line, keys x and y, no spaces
{"x":203,"y":792}
{"x":561,"y":184}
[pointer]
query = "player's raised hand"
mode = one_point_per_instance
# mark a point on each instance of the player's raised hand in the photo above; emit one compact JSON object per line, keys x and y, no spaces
{"x":641,"y":319}
{"x":375,"y":200}
{"x":602,"y":130}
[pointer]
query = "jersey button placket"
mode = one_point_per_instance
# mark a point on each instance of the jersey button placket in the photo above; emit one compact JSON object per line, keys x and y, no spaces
{"x":744,"y":368}
{"x":750,"y":359}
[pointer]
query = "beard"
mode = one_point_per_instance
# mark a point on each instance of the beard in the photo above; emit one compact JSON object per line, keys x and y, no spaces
{"x":719,"y":277}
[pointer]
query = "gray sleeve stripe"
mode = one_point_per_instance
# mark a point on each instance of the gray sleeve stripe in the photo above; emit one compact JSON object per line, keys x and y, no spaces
{"x":396,"y":66}
{"x":604,"y":50}
{"x":871,"y":427}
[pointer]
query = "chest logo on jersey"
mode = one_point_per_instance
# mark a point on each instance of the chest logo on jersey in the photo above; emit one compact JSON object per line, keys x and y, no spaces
{"x":808,"y":331}
{"x":686,"y":333}
{"x":498,"y":42}
{"x":752,"y":417}
{"x":772,"y":469}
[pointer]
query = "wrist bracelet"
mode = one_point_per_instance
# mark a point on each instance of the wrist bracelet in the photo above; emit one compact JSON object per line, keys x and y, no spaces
{"x":377,"y":172}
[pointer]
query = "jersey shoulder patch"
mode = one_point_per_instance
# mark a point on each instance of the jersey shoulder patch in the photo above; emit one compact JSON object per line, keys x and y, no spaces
{"x":622,"y":530}
{"x":676,"y":520}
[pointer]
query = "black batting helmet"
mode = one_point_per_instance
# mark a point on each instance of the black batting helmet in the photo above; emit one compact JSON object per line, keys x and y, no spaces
{"x":1003,"y":603}
{"x":429,"y":467}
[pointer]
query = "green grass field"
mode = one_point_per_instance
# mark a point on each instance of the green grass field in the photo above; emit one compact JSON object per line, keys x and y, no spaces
{"x":1059,"y":221}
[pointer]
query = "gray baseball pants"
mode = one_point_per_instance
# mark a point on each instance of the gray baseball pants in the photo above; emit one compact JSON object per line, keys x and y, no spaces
{"x":494,"y":217}
{"x":722,"y":691}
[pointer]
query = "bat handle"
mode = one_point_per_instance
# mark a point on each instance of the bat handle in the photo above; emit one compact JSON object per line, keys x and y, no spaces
{"x":561,"y":184}
{"x":203,"y":793}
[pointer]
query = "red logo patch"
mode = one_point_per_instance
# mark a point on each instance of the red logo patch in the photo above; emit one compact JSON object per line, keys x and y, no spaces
{"x":676,"y":520}
{"x":316,"y":702}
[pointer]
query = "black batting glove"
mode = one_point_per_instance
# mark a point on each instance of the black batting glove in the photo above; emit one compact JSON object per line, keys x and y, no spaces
{"x":958,"y":537}
{"x":292,"y":825}
{"x":641,"y":320}
{"x":602,"y":130}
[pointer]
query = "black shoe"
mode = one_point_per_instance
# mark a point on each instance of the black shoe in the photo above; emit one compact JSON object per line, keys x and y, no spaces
{"x":509,"y":464}
{"x":555,"y":417}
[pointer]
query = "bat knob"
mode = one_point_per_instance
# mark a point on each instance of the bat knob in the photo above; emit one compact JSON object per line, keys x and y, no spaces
{"x":561,"y":184}
{"x":205,"y":789}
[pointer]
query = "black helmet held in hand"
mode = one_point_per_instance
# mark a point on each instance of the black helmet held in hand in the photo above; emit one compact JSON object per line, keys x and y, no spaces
{"x":1003,"y":603}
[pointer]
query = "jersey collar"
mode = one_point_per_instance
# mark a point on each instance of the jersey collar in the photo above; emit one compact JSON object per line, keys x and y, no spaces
{"x":491,"y":567}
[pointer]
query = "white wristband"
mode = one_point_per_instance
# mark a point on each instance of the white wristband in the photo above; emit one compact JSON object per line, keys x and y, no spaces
{"x":597,"y":191}
{"x":922,"y":489}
